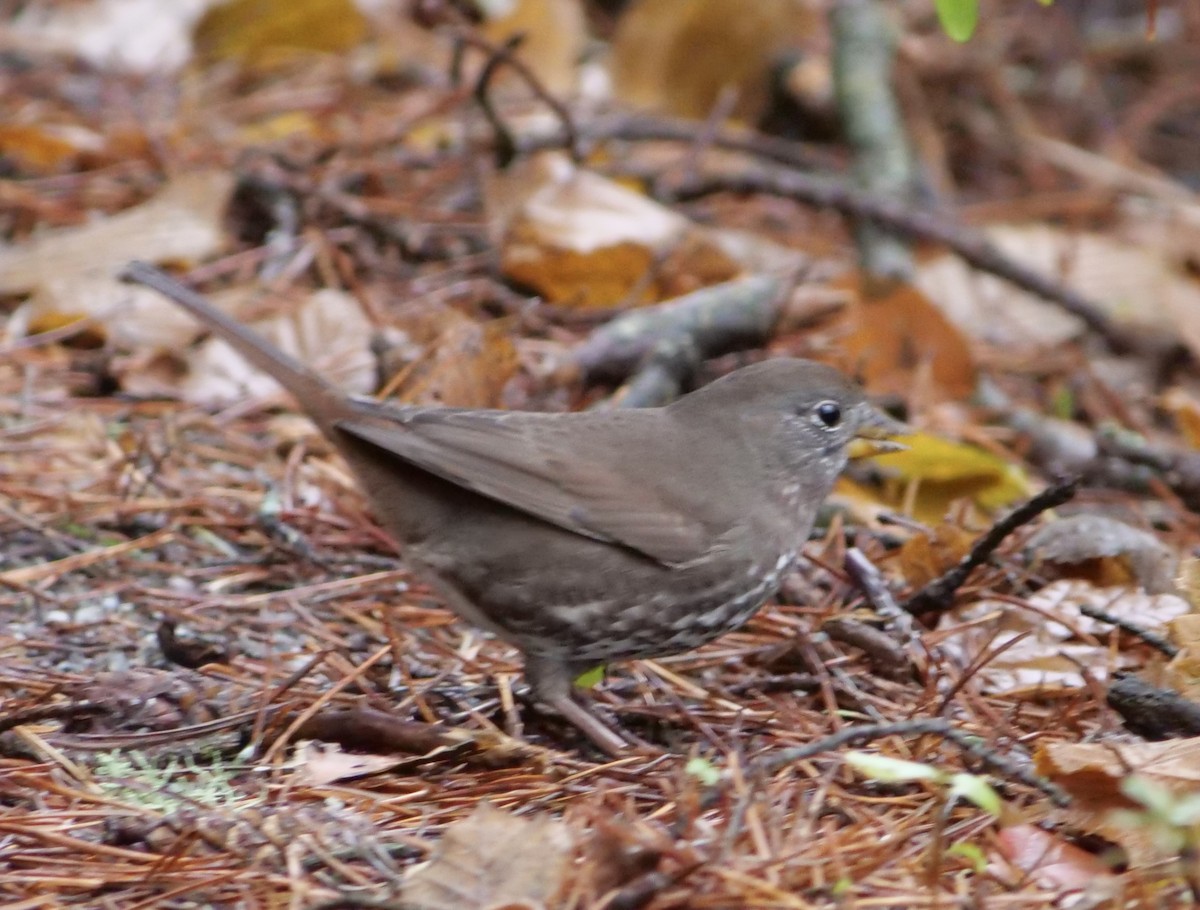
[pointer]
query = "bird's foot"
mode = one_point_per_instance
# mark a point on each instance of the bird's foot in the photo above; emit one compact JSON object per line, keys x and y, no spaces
{"x":606,"y":740}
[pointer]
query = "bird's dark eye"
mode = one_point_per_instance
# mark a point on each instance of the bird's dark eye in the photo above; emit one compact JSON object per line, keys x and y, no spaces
{"x":829,"y":413}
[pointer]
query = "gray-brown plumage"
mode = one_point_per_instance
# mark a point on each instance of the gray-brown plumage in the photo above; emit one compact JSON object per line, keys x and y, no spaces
{"x":590,"y":537}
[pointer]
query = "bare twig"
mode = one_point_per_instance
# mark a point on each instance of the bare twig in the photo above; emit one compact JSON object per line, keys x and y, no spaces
{"x":905,"y":217}
{"x":864,"y":49}
{"x":506,"y":54}
{"x":713,"y":320}
{"x":1157,"y":642}
{"x":938,"y":594}
{"x":921,"y":726}
{"x":643,"y":128}
{"x":1151,"y":712}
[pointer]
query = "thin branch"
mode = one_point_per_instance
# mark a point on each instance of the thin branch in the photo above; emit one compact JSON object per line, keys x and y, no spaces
{"x":938,"y":595}
{"x":506,"y":54}
{"x":904,"y":217}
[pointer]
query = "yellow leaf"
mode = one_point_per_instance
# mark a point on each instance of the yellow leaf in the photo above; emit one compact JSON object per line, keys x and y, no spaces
{"x":554,"y":36}
{"x":1186,"y":411}
{"x":679,"y":56}
{"x":258,"y":31}
{"x":280,"y":126}
{"x":943,"y":471}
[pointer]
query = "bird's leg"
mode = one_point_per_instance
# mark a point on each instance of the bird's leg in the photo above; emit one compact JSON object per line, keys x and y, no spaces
{"x":553,"y":684}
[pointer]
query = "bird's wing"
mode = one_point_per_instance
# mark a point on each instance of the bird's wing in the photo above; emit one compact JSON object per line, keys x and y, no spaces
{"x":533,"y":465}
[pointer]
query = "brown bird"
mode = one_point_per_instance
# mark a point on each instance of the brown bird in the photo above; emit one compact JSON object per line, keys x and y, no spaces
{"x":591,"y":537}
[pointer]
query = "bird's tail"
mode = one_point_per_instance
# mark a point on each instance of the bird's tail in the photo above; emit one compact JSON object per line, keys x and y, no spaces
{"x":323,"y":401}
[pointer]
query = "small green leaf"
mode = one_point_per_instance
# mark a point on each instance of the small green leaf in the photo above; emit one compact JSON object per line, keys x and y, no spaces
{"x":272,"y":503}
{"x":590,"y":678}
{"x":1063,"y":403}
{"x":702,"y":769}
{"x":958,"y":17}
{"x":842,"y":887}
{"x":971,"y":853}
{"x":1046,"y":2}
{"x":1186,"y":811}
{"x":891,"y":770}
{"x":975,"y":789}
{"x":1153,"y":797}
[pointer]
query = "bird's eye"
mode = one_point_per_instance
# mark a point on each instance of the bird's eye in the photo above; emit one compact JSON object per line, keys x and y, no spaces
{"x":828,"y":413}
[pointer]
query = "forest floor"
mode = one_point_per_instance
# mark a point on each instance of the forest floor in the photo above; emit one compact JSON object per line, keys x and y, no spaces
{"x":220,"y":687}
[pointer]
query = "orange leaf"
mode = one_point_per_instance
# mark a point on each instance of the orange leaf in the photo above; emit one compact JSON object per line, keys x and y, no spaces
{"x":898,"y":332}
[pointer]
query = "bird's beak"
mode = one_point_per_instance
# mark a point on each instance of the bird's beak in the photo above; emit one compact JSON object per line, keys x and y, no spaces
{"x":874,"y":436}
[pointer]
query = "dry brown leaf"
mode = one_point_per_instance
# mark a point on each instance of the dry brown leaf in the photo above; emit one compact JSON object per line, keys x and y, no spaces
{"x":1052,"y":862}
{"x":578,"y":209}
{"x":679,"y":57}
{"x":1093,"y":773}
{"x":1186,"y":411}
{"x":44,"y":148}
{"x":1046,"y":655}
{"x":123,"y":316}
{"x":1183,"y":672}
{"x":329,"y":332}
{"x":1136,"y":283}
{"x":924,"y":557}
{"x":325,"y":763}
{"x":896,"y":335}
{"x":493,"y":858}
{"x":182,"y":222}
{"x":580,"y":239}
{"x":465,"y":364}
{"x":71,"y":271}
{"x":1105,"y":551}
{"x":699,"y":260}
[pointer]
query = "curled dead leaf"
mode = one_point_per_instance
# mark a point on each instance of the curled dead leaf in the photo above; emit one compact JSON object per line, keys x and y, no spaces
{"x":1051,"y":860}
{"x":1094,"y":775}
{"x":181,"y":223}
{"x":1045,"y":648}
{"x":328,"y":331}
{"x":924,"y":557}
{"x":468,"y":368}
{"x":1106,"y":551}
{"x":491,"y":859}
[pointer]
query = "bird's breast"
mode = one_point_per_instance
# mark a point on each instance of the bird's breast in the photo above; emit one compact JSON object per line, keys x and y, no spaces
{"x":683,"y":610}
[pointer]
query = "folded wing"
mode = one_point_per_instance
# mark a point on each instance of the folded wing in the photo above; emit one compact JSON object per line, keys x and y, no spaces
{"x":522,"y":461}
